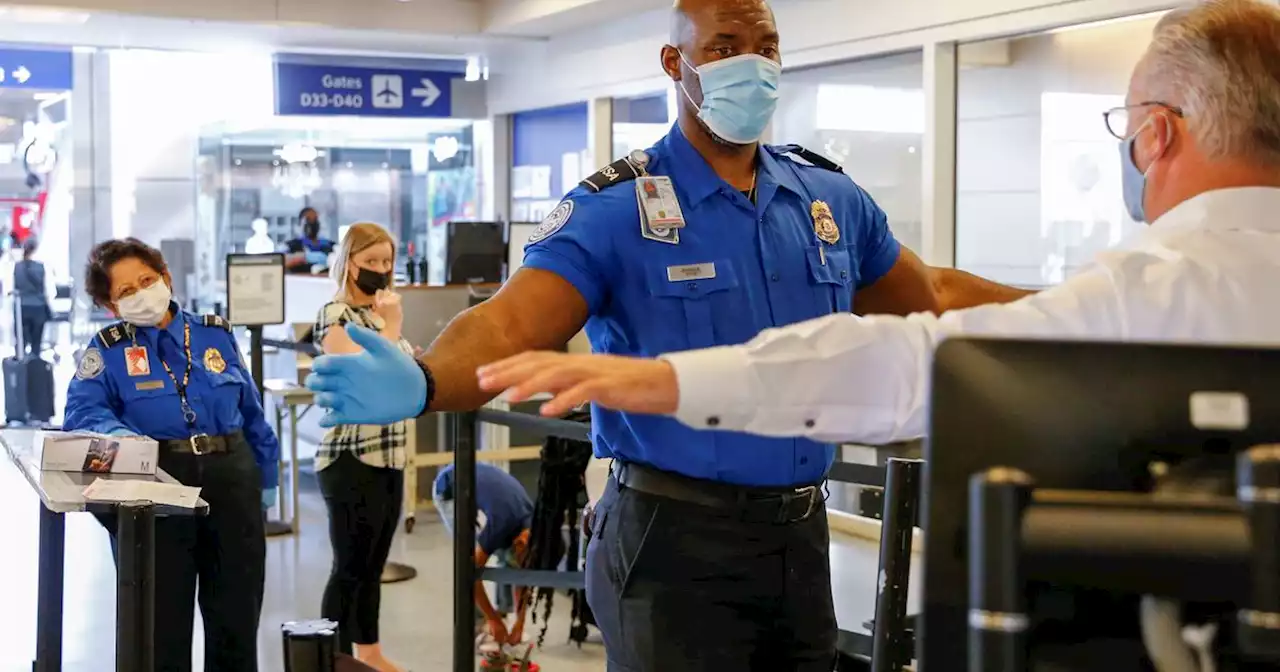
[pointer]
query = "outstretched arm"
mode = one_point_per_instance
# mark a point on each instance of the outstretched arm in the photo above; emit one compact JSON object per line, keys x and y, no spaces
{"x":958,"y":289}
{"x":534,"y":310}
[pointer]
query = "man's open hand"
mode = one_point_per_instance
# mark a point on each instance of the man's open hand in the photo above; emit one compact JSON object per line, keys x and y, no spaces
{"x":620,"y":383}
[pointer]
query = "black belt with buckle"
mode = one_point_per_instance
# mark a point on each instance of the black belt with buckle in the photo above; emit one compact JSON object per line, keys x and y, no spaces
{"x":204,"y":444}
{"x":770,"y":505}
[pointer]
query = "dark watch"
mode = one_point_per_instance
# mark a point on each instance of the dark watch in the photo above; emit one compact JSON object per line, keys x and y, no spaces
{"x":431,"y":387}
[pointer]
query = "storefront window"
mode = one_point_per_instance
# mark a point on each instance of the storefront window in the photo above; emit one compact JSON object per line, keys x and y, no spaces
{"x":1038,"y":175}
{"x":867,"y":116}
{"x":411,"y":176}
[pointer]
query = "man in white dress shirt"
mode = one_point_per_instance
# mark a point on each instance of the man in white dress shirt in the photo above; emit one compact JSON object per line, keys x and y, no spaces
{"x":1200,"y":147}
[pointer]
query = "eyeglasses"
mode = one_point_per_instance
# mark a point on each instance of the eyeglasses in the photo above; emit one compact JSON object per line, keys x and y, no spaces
{"x":1117,"y":118}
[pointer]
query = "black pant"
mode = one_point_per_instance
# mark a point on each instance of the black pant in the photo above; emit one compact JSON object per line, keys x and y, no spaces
{"x":677,"y":587}
{"x":33,"y":321}
{"x":364,"y":505}
{"x":224,"y":553}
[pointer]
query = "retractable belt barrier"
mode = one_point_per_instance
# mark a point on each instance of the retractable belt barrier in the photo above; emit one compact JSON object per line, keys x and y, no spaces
{"x":889,"y":647}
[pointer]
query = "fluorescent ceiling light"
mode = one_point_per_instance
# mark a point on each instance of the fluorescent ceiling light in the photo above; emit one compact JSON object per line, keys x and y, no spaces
{"x":44,"y":15}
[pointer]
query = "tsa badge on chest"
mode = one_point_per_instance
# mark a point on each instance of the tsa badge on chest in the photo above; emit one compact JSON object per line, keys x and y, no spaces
{"x":213,"y":361}
{"x":824,"y":223}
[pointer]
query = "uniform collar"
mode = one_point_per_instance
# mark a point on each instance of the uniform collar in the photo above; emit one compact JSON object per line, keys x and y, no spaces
{"x":697,"y":180}
{"x":1236,"y":209}
{"x":175,"y":327}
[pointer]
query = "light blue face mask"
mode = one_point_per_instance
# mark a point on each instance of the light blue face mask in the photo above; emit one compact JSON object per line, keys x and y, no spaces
{"x":1133,"y":181}
{"x":739,"y":96}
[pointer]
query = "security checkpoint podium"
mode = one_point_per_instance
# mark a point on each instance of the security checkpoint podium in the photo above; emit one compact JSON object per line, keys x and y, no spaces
{"x":62,"y":493}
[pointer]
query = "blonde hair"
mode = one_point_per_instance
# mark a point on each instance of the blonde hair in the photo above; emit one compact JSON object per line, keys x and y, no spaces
{"x":360,"y":237}
{"x":1219,"y":61}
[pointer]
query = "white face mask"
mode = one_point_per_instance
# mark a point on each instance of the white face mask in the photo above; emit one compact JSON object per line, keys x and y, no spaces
{"x":147,"y":306}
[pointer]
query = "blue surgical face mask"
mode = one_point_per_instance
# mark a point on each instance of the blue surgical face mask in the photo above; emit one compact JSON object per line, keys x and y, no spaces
{"x":1133,"y":181}
{"x":739,"y":96}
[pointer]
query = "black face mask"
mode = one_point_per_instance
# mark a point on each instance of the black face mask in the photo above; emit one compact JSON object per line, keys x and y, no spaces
{"x":370,"y":282}
{"x":311,"y":229}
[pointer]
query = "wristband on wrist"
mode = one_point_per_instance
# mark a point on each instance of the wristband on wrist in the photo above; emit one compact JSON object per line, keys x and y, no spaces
{"x":431,"y":387}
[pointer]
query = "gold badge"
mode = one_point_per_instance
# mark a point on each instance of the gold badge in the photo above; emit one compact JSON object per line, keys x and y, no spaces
{"x":213,"y":361}
{"x":824,"y":223}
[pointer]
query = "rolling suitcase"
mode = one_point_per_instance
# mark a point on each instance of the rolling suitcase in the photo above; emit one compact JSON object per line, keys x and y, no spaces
{"x":28,"y":382}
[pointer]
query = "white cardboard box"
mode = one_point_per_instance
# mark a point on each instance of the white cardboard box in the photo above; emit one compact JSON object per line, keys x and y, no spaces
{"x":83,"y":451}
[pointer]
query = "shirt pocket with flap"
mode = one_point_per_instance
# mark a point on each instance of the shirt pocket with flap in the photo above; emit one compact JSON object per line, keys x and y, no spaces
{"x":702,"y":292}
{"x":833,"y":276}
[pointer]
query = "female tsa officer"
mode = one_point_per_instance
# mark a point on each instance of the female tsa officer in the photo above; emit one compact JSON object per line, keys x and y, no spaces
{"x":178,"y":378}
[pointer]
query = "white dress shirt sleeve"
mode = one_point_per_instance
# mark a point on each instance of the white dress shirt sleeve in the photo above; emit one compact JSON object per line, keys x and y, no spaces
{"x":845,"y":378}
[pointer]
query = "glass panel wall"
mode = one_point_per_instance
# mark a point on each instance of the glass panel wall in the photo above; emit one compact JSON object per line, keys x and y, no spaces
{"x":1037,"y":174}
{"x":867,"y":116}
{"x":640,"y":121}
{"x":549,"y":158}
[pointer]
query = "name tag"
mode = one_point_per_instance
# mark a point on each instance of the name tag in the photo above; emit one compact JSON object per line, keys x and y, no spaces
{"x":691,"y":272}
{"x":150,"y":385}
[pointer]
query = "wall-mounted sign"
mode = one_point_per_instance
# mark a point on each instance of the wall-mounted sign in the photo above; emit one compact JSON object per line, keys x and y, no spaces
{"x":49,"y":70}
{"x":305,"y":88}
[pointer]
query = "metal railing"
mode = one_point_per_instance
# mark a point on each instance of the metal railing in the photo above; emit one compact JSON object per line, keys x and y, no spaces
{"x":890,"y":646}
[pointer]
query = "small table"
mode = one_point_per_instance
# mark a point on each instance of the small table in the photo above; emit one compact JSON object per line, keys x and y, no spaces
{"x":61,"y":493}
{"x":288,"y":395}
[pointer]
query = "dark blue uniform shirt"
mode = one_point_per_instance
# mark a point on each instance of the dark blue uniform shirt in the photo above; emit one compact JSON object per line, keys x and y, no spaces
{"x":109,"y":393}
{"x":502,"y":505}
{"x":769,"y":271}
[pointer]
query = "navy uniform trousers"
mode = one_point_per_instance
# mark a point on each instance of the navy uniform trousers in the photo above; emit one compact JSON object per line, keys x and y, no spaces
{"x":680,"y":587}
{"x":222,"y":554}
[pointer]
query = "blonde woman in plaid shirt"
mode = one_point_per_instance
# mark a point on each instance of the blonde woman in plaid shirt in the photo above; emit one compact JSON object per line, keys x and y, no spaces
{"x":361,"y":467}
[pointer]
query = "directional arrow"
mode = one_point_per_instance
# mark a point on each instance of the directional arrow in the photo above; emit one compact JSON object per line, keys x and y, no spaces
{"x":22,"y":74}
{"x":428,"y":92}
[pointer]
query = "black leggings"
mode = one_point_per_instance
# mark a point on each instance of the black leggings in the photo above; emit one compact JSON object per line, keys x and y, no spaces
{"x":364,"y":505}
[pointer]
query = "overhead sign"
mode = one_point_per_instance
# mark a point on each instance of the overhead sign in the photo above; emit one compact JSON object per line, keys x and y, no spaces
{"x":36,"y":69}
{"x":303,"y":88}
{"x":255,"y":289}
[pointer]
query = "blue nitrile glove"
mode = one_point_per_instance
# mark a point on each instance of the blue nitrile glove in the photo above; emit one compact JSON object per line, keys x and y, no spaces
{"x":268,"y":498}
{"x":121,"y":431}
{"x":317,"y":258}
{"x":376,"y":387}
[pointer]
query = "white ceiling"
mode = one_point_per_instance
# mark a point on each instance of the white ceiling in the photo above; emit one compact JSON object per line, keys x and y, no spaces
{"x":401,"y":27}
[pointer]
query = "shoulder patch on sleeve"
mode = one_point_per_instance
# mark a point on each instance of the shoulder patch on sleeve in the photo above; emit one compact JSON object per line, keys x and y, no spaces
{"x":216,"y":321}
{"x":554,"y":222}
{"x":807,"y":157}
{"x":115,"y":334}
{"x":91,"y":364}
{"x":625,"y":169}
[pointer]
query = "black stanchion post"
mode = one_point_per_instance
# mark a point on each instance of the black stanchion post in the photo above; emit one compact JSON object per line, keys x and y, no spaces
{"x":310,"y":646}
{"x":998,"y":622}
{"x":890,"y":649}
{"x":49,"y":591}
{"x":464,"y":428}
{"x":1258,"y":479}
{"x":256,"y":366}
{"x":135,"y":588}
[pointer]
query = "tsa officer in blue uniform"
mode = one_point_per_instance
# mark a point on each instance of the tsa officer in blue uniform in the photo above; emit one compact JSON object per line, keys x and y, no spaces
{"x":178,"y":378}
{"x":709,"y":549}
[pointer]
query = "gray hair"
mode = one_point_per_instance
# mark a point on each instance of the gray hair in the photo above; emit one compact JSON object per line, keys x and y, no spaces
{"x":1220,"y":62}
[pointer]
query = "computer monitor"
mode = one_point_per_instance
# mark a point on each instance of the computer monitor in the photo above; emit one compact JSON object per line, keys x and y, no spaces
{"x":1074,"y":416}
{"x":476,"y":253}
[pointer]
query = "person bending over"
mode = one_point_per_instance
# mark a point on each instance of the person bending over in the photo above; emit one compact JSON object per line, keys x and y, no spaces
{"x":504,"y":515}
